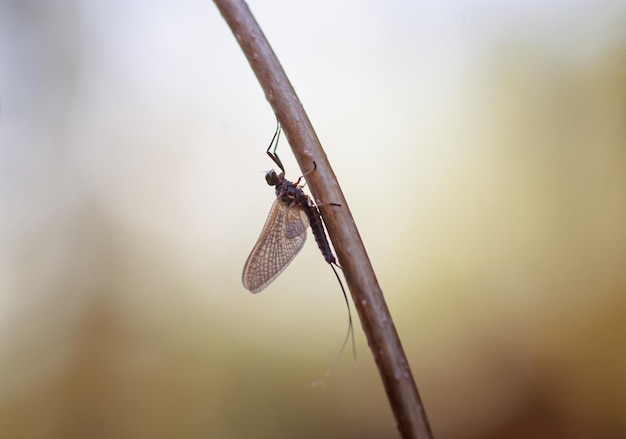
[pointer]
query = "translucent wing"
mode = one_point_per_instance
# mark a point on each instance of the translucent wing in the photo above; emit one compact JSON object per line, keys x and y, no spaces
{"x":282,"y":237}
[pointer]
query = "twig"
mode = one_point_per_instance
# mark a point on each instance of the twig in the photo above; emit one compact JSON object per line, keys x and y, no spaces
{"x":366,"y":293}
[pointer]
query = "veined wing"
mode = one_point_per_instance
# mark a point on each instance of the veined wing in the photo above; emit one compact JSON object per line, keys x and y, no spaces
{"x":282,"y":237}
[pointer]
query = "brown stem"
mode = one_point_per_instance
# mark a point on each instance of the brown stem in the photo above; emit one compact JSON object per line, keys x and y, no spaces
{"x":366,"y":293}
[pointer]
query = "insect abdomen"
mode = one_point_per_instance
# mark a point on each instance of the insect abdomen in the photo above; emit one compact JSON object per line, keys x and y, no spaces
{"x":317,"y":228}
{"x":292,"y":191}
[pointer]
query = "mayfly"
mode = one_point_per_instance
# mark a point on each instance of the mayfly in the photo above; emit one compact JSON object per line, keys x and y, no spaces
{"x":284,"y":232}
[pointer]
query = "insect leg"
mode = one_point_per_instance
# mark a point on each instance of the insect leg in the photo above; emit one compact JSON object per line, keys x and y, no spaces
{"x":305,"y":174}
{"x":274,"y":155}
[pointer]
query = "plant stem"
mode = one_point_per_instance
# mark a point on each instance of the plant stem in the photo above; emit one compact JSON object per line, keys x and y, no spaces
{"x":367,"y":295}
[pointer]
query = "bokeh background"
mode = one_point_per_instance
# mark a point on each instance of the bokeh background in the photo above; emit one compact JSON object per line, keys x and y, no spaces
{"x":481,"y":147}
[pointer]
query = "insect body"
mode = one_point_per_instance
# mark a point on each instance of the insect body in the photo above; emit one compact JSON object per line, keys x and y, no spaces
{"x":289,"y":193}
{"x":284,"y":232}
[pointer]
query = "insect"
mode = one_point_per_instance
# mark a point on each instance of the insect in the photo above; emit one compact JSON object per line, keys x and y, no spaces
{"x":285,"y":231}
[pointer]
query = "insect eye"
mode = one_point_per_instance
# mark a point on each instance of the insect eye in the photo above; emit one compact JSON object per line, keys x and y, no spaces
{"x":271,"y":178}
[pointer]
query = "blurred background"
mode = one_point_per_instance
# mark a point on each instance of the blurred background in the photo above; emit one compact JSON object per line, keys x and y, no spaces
{"x":481,"y":147}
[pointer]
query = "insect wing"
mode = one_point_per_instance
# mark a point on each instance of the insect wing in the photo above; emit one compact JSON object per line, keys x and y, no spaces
{"x":282,"y":237}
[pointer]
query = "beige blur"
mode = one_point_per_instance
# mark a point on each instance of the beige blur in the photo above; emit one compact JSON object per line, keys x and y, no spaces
{"x":481,"y":149}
